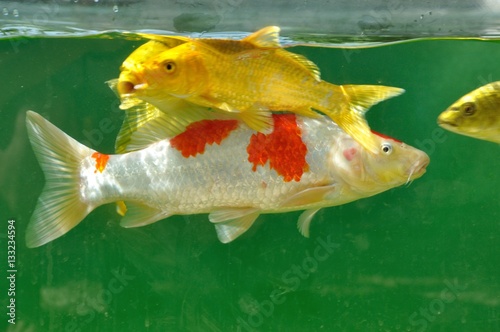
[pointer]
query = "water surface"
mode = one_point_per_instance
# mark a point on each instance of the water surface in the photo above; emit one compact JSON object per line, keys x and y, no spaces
{"x":422,"y":257}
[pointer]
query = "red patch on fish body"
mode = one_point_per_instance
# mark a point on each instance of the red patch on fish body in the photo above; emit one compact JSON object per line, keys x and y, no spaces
{"x":101,"y":160}
{"x":284,"y":148}
{"x":385,"y":136}
{"x":198,"y":134}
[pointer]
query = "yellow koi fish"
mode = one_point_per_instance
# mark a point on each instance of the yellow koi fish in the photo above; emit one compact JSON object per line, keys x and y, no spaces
{"x":248,"y":78}
{"x":477,"y":114}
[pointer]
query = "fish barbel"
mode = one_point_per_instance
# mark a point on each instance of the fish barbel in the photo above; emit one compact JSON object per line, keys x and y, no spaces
{"x":220,"y":167}
{"x":248,"y":78}
{"x":477,"y":114}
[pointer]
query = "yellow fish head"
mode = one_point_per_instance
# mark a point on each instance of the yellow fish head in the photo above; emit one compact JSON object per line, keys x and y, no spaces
{"x":177,"y":72}
{"x":395,"y":165}
{"x":474,"y":113}
{"x":459,"y":115}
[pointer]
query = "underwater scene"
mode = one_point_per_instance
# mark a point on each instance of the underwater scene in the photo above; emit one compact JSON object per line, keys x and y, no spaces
{"x":422,"y":256}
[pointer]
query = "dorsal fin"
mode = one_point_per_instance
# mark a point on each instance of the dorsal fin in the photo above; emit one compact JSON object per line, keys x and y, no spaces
{"x":267,"y":37}
{"x":306,"y":63}
{"x":168,"y":41}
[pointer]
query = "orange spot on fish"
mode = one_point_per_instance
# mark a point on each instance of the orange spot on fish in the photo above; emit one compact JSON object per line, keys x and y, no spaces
{"x":385,"y":136}
{"x":101,"y":160}
{"x":198,"y":134}
{"x":283,"y":148}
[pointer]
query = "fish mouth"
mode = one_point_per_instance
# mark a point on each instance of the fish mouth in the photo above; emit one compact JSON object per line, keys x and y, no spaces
{"x":444,"y":123}
{"x":128,"y":88}
{"x":125,"y":87}
{"x":130,"y":82}
{"x":418,"y":169}
{"x":446,"y":120}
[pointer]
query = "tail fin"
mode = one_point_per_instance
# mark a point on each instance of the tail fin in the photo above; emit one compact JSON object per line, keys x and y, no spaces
{"x":59,"y":207}
{"x":360,"y":98}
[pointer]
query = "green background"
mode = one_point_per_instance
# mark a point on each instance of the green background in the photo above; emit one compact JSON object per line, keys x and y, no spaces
{"x":423,"y":257}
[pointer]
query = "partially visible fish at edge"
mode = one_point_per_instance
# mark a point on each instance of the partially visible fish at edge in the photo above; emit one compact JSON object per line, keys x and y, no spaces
{"x":248,"y":78}
{"x":477,"y":114}
{"x":220,"y":167}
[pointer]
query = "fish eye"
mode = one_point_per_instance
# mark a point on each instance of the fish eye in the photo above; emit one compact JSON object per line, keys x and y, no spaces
{"x":169,"y":66}
{"x":386,"y":148}
{"x":469,"y":108}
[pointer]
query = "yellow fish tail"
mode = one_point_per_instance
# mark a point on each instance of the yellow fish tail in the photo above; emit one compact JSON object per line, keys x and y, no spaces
{"x":351,"y":117}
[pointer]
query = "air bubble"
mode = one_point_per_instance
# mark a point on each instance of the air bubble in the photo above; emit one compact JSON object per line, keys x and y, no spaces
{"x":115,"y":8}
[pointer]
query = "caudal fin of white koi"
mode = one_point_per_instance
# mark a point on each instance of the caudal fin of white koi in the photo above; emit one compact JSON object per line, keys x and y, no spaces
{"x":59,"y":207}
{"x":359,"y":100}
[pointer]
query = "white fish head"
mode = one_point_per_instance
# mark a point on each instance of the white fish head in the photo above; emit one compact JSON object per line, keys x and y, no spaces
{"x":368,"y":173}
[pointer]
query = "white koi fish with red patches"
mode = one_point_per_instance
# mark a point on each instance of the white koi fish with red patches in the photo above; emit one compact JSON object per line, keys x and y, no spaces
{"x":220,"y":167}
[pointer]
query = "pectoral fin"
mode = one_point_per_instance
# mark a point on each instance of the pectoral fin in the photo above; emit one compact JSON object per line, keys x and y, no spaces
{"x":141,"y":215}
{"x":135,"y":118}
{"x":144,"y":124}
{"x":256,"y":117}
{"x":129,"y":102}
{"x":231,"y":223}
{"x":311,"y":196}
{"x":304,"y":221}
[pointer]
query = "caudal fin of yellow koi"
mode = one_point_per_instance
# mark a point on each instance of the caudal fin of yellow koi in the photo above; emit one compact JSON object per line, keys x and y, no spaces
{"x":59,"y":207}
{"x":359,"y":100}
